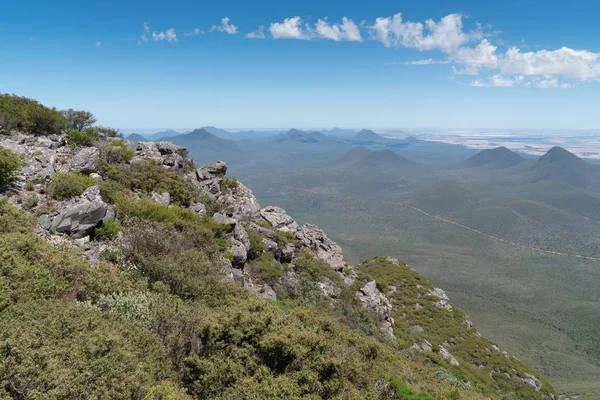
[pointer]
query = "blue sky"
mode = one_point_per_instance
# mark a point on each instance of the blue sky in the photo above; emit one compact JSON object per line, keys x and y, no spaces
{"x":483,"y":64}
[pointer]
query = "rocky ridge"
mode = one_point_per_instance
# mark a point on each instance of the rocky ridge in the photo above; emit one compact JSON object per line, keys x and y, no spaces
{"x":237,"y":208}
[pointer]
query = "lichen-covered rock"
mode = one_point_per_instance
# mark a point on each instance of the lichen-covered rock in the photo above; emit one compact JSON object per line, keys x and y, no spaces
{"x":443,"y":301}
{"x":79,"y":216}
{"x":85,"y":160}
{"x":238,"y":252}
{"x":198,"y":208}
{"x":322,"y":247}
{"x":448,"y":357}
{"x":222,"y":219}
{"x":165,"y":153}
{"x":239,"y":203}
{"x":372,"y":298}
{"x":162,"y":198}
{"x":278,"y":218}
{"x":211,"y":171}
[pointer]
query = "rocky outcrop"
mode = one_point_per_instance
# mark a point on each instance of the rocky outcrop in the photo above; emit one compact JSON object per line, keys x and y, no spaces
{"x":85,"y":160}
{"x":444,"y":301}
{"x":163,"y":198}
{"x":79,"y":216}
{"x":372,"y":298}
{"x":239,"y":203}
{"x":165,"y":153}
{"x":448,"y":357}
{"x":317,"y":241}
{"x":279,"y":219}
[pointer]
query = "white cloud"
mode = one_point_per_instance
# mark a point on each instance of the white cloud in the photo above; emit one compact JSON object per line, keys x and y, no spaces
{"x":98,"y":44}
{"x":499,"y":81}
{"x":225,"y":27}
{"x":446,"y":35}
{"x":290,"y":28}
{"x":347,"y":30}
{"x":169,"y":36}
{"x":146,"y":33}
{"x":428,"y":61}
{"x":257,"y":34}
{"x":195,"y":32}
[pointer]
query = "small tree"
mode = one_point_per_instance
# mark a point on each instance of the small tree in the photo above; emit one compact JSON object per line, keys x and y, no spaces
{"x":79,"y":120}
{"x":9,"y":165}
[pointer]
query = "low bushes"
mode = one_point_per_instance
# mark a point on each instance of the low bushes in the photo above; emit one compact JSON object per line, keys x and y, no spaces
{"x":29,"y":116}
{"x":67,"y":185}
{"x":10,"y":162}
{"x":77,"y":138}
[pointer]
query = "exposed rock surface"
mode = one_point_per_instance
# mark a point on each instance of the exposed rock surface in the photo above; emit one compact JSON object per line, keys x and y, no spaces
{"x":372,"y":298}
{"x":279,"y":219}
{"x":79,"y":216}
{"x":85,"y":160}
{"x":315,"y":239}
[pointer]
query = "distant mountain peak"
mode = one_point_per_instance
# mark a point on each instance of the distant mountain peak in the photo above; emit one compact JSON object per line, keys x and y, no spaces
{"x":499,"y":157}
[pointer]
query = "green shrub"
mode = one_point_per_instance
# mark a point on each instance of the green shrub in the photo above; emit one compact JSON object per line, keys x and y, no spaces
{"x":150,"y":210}
{"x":109,"y":229}
{"x":116,"y":152}
{"x":229,"y":183}
{"x":266,"y":268}
{"x":79,"y":120}
{"x":149,"y":177}
{"x":67,"y":185}
{"x":63,"y":350}
{"x":29,"y":186}
{"x":10,"y":163}
{"x":85,"y":138}
{"x":31,"y":201}
{"x":30,"y":116}
{"x":405,"y":393}
{"x":257,"y":244}
{"x":108,"y":131}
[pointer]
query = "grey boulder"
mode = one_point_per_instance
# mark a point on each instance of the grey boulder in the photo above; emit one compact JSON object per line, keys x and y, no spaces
{"x":85,"y":160}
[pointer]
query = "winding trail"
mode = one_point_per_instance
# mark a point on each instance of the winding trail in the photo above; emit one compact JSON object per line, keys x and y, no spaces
{"x":497,"y":238}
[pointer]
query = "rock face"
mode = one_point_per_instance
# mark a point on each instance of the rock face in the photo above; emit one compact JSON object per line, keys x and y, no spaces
{"x":279,"y":219}
{"x":85,"y":160}
{"x":372,"y":298}
{"x":162,"y":198}
{"x":323,"y":247}
{"x":447,"y":356}
{"x":211,"y":171}
{"x":443,"y":301}
{"x":240,"y":203}
{"x":165,"y":153}
{"x":79,"y":216}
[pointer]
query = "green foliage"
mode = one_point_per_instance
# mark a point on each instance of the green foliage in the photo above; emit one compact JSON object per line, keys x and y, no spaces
{"x":116,"y":152}
{"x":147,"y":177}
{"x":31,"y":201}
{"x":166,"y":391}
{"x":108,"y":131}
{"x":405,"y":393}
{"x":60,"y":350}
{"x":109,"y":229}
{"x":30,"y":116}
{"x":257,"y":244}
{"x":79,"y":120}
{"x":66,"y":185}
{"x":150,"y":210}
{"x":229,"y":183}
{"x":32,"y":268}
{"x":266,"y":268}
{"x":29,"y":186}
{"x":10,"y":163}
{"x":84,"y":138}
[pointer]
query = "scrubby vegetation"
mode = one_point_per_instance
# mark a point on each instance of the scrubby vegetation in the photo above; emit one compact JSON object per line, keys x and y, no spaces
{"x":66,"y":185}
{"x":160,"y":315}
{"x":30,"y":116}
{"x":9,"y":165}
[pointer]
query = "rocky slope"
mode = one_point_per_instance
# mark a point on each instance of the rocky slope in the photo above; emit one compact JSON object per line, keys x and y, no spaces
{"x":268,"y":252}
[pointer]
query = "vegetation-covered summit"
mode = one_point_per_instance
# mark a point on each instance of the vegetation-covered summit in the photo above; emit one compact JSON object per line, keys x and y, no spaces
{"x":127,"y":272}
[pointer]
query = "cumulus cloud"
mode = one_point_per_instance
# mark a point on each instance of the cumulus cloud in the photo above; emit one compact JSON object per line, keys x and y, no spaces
{"x":169,"y":36}
{"x":195,"y":32}
{"x":257,"y":34}
{"x":446,"y":35}
{"x":225,"y":27}
{"x":290,"y":28}
{"x":347,"y":30}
